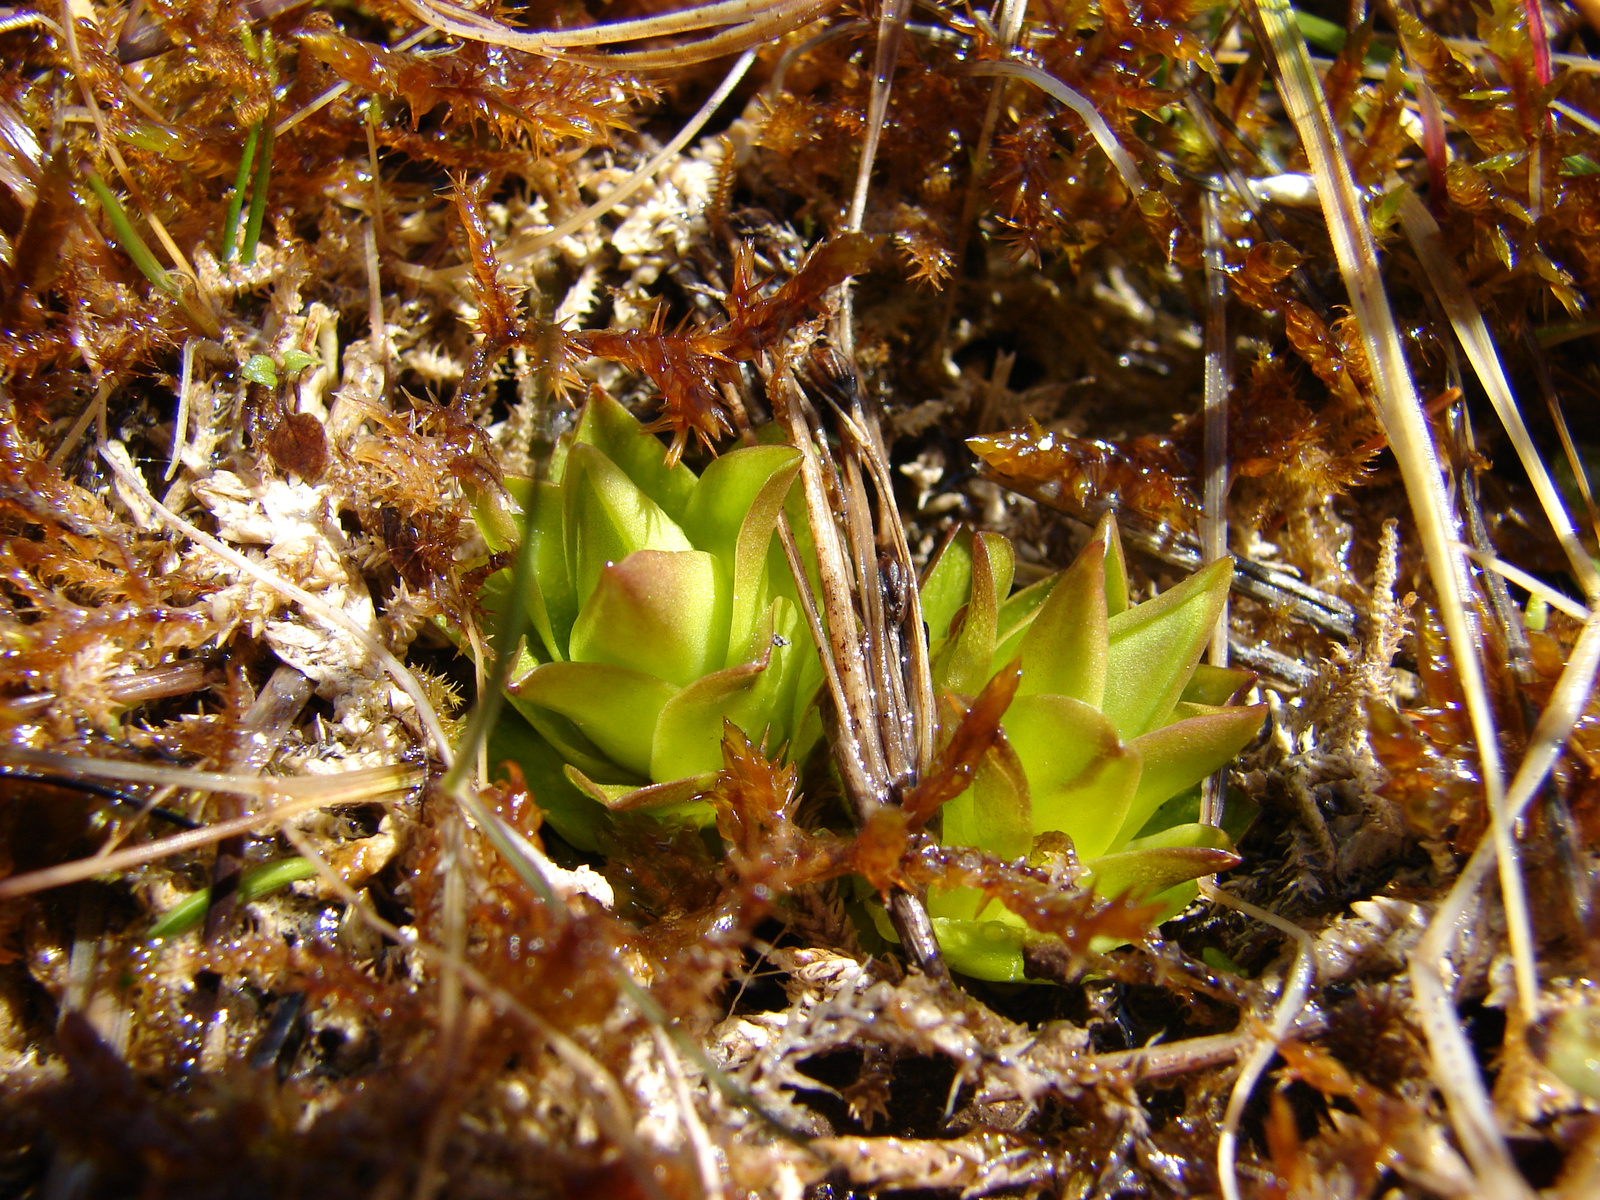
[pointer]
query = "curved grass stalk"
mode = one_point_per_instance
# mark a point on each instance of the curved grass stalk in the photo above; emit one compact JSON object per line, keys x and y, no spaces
{"x":1296,"y":988}
{"x":746,"y":23}
{"x":1078,"y":103}
{"x":1404,"y":423}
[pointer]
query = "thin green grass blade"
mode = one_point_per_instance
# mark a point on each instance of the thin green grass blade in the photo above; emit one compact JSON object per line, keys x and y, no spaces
{"x":258,"y":194}
{"x":230,"y":223}
{"x":128,"y":237}
{"x":253,"y":884}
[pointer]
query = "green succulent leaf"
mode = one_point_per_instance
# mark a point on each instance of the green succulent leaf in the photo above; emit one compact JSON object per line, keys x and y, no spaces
{"x":571,"y":813}
{"x":551,"y":603}
{"x":1216,"y":685}
{"x":1155,"y":646}
{"x":966,"y":660}
{"x":947,"y":584}
{"x":612,"y":430}
{"x":1180,"y":755}
{"x":569,"y":741}
{"x":614,"y":707}
{"x":1116,"y":565}
{"x":671,"y":801}
{"x":733,"y":513}
{"x":663,"y":613}
{"x":994,"y":814}
{"x":989,"y":950}
{"x":1064,"y":651}
{"x":688,"y":736}
{"x":606,"y":517}
{"x":1081,"y":777}
{"x":1154,"y":864}
{"x":1017,"y":614}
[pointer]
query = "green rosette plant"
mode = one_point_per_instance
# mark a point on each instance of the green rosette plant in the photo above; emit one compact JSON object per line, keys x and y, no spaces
{"x":1114,"y":717}
{"x":661,"y":607}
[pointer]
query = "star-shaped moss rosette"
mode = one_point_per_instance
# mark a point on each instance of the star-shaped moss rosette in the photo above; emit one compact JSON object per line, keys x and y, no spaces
{"x":661,"y":607}
{"x":1114,"y":716}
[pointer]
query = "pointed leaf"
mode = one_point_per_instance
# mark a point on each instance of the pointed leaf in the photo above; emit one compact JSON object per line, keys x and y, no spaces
{"x":1155,"y":646}
{"x":947,"y":585}
{"x":1081,"y":778}
{"x":613,"y":430}
{"x":733,"y":514}
{"x":967,"y":660}
{"x":1180,"y":755}
{"x":673,"y":799}
{"x":1017,"y":615}
{"x":1152,"y":865}
{"x":606,"y":518}
{"x":1216,"y":685}
{"x":1116,"y":565}
{"x":665,"y":614}
{"x":1064,"y":651}
{"x":688,"y":737}
{"x":615,"y":708}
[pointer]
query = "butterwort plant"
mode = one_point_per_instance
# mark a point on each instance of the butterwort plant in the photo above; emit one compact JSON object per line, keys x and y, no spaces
{"x":1114,"y":717}
{"x":662,"y":606}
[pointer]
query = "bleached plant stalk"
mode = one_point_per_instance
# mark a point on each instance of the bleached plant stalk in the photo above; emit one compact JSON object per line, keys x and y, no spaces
{"x":744,"y":24}
{"x":1078,"y":103}
{"x":1473,"y":332}
{"x":1431,"y":979}
{"x":1405,"y":424}
{"x":1218,"y":383}
{"x":1296,"y":988}
{"x":882,"y":696}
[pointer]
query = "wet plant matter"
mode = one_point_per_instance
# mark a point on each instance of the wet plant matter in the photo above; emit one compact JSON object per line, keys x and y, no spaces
{"x":309,"y":310}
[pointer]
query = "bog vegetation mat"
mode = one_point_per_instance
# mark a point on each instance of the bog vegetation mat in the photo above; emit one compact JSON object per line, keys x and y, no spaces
{"x":800,"y":599}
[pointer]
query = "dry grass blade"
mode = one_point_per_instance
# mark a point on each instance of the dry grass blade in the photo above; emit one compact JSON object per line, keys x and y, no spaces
{"x":351,"y":787}
{"x":1466,"y":318}
{"x":1291,"y":1003}
{"x":1218,"y":383}
{"x":1406,"y":426}
{"x":1531,"y":584}
{"x":1431,"y":978}
{"x":1098,"y":129}
{"x":748,"y":23}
